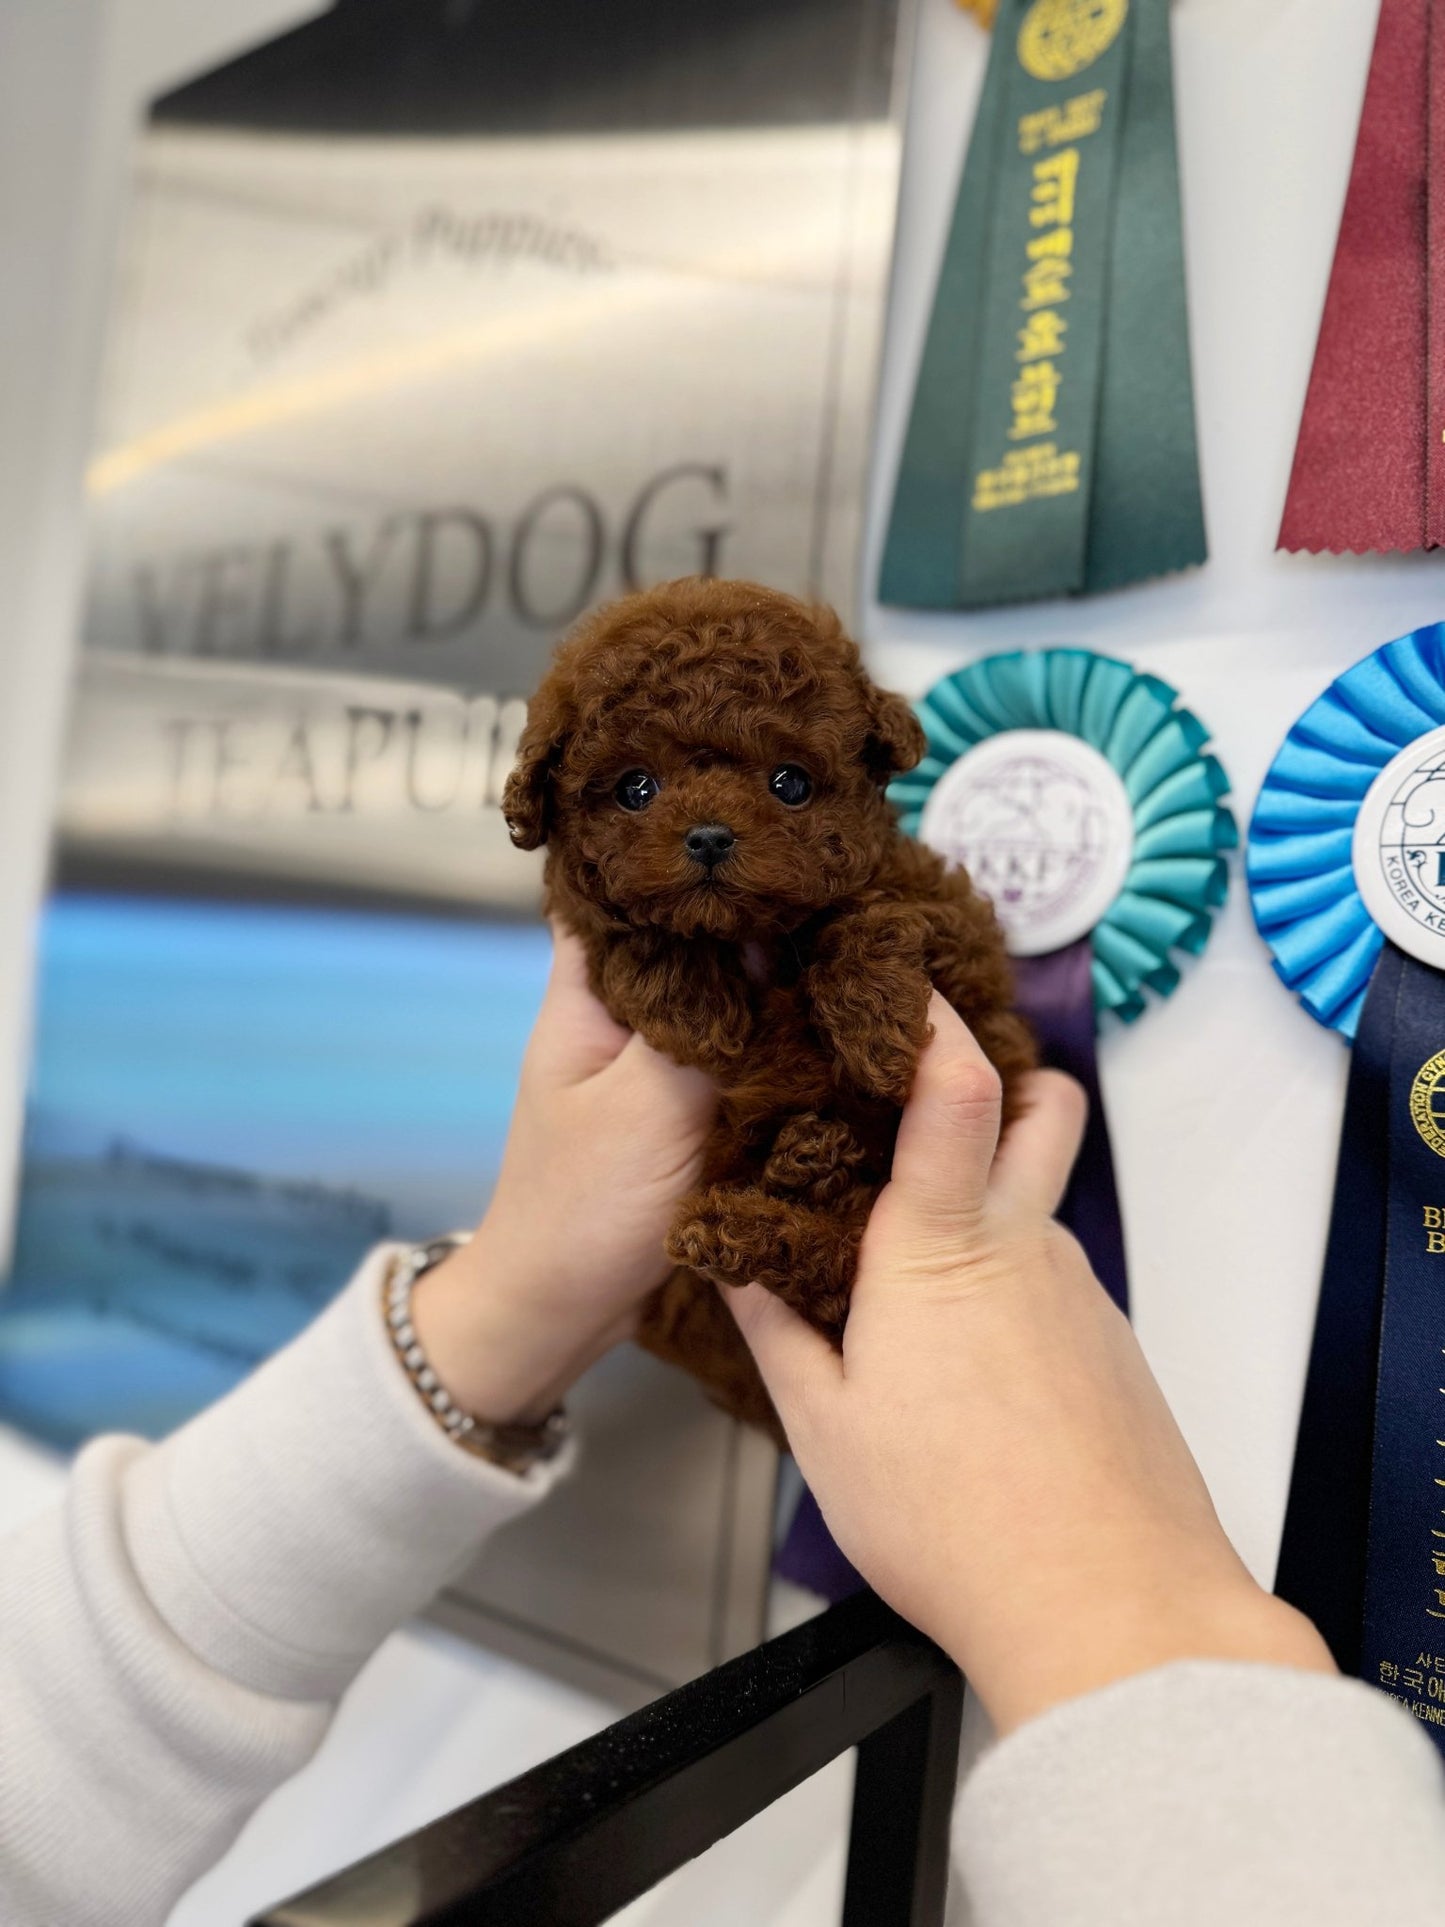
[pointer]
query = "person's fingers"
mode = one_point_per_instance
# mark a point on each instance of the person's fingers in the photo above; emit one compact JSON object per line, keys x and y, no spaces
{"x":799,"y":1367}
{"x":574,"y":1037}
{"x":1038,"y":1149}
{"x":950,"y":1124}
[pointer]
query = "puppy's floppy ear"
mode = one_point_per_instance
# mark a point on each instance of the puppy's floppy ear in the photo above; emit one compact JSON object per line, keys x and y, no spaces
{"x":895,"y":736}
{"x":526,"y":799}
{"x":895,"y":740}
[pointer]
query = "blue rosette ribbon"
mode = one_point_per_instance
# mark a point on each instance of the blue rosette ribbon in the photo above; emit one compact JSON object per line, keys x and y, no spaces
{"x":1363,"y":1550}
{"x":1307,"y":904}
{"x":1183,"y":827}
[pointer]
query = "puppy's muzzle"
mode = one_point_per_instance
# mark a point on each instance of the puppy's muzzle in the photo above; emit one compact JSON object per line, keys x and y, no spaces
{"x":708,"y":843}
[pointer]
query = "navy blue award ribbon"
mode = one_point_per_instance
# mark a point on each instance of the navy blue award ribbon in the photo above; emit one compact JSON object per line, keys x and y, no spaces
{"x":1405,"y":1568}
{"x":1363,"y":1552}
{"x":1363,"y":1548}
{"x":1327,"y":1519}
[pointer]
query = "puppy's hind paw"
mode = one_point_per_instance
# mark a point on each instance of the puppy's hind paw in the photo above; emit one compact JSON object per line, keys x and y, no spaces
{"x":813,"y":1158}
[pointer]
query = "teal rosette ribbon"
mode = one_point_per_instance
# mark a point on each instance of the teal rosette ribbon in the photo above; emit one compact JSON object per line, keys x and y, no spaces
{"x":1177,"y":875}
{"x":1307,"y":904}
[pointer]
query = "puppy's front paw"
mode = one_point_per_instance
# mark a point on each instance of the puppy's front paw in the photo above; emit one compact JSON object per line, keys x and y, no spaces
{"x":718,"y":1235}
{"x":883,"y":1063}
{"x":804,"y":1256}
{"x":874,"y":1011}
{"x":700,"y":1246}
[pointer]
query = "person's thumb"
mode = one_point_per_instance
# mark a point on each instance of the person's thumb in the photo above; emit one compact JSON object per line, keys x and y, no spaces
{"x":800,"y":1368}
{"x":949,"y":1129}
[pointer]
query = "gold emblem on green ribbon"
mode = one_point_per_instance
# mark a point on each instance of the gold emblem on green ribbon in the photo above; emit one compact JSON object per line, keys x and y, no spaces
{"x":1059,"y":38}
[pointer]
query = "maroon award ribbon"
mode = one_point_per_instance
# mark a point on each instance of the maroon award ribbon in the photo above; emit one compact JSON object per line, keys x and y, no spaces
{"x":1435,"y":290}
{"x":1369,"y":469}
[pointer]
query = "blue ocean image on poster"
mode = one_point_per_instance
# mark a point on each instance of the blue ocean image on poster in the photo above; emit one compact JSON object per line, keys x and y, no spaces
{"x":229,"y":1103}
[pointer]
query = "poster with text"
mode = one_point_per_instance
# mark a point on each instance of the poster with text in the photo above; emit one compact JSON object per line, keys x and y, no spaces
{"x":435,"y":323}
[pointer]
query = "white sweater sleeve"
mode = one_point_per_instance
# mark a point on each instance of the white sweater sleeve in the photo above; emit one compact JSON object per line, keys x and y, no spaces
{"x":1209,"y":1794}
{"x":175,"y":1633}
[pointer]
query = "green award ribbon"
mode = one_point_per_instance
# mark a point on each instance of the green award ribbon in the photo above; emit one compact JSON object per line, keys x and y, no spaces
{"x":1051,"y":448}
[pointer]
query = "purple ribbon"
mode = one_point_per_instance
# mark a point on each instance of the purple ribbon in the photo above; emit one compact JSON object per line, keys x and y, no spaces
{"x":809,"y":1556}
{"x":1056,"y":994}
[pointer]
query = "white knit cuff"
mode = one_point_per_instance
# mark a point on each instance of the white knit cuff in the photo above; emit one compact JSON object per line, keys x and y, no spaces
{"x":286,"y":1530}
{"x":1208,"y":1792}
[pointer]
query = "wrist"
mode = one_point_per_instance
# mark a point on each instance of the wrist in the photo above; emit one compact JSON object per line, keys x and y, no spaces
{"x":1135,"y":1628}
{"x":502,"y":1351}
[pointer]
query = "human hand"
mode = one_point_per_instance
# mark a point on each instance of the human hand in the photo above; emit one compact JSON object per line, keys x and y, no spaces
{"x":991,"y":1450}
{"x":606,"y":1136}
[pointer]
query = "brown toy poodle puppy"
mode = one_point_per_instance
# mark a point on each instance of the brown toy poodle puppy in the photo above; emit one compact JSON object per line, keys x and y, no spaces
{"x":706,"y":763}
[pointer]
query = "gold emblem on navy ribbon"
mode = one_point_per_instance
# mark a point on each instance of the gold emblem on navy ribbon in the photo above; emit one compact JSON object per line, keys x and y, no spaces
{"x":1427,"y":1102}
{"x":1062,"y":37}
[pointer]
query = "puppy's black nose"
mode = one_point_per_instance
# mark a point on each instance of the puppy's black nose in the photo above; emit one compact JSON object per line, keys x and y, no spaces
{"x":708,"y":843}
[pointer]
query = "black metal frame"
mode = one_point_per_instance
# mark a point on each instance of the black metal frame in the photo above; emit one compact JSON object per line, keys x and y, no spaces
{"x":574,"y":1840}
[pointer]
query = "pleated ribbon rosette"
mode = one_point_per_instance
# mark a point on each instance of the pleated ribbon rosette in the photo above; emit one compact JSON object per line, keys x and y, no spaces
{"x":1303,"y":883}
{"x":1176,"y":874}
{"x":1346,"y":865}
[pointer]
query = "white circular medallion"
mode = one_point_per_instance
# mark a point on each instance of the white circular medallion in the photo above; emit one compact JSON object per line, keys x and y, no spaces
{"x":1399,"y":849}
{"x":1043,"y":826}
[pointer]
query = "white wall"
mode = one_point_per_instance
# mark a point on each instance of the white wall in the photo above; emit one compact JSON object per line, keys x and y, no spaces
{"x":74,"y":79}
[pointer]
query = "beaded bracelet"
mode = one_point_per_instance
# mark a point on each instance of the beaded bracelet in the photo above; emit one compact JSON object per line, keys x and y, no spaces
{"x":513,"y":1446}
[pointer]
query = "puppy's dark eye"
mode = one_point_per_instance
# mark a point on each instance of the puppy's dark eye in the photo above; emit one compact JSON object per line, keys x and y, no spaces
{"x":636,"y":789}
{"x":791,"y":785}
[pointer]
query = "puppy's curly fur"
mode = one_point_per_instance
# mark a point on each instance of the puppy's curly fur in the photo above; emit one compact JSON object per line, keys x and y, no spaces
{"x":795,"y":967}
